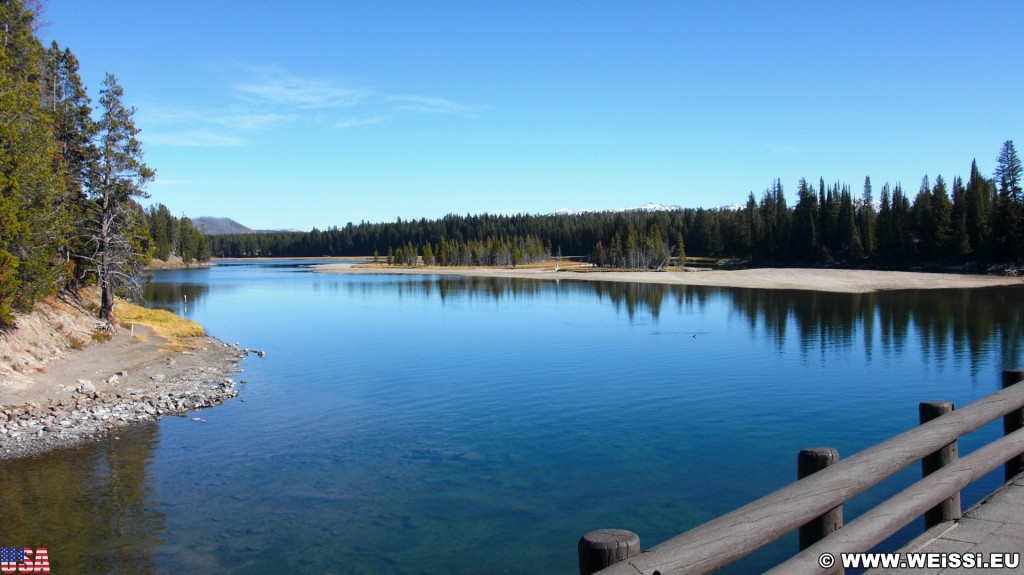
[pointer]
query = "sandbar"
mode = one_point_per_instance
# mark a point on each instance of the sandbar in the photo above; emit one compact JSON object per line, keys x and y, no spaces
{"x":813,"y":279}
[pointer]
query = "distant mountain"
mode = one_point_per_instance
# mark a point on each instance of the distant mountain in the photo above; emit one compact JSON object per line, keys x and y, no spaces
{"x":209,"y":225}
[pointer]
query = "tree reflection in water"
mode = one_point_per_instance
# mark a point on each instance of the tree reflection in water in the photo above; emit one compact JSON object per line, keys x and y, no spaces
{"x":92,"y":507}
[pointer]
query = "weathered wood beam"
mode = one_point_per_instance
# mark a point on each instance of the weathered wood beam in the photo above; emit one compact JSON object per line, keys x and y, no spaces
{"x":949,"y":509}
{"x":890,"y":516}
{"x":739,"y":533}
{"x":1012,"y":422}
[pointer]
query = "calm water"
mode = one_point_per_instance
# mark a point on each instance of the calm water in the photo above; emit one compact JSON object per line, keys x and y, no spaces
{"x":408,"y":425}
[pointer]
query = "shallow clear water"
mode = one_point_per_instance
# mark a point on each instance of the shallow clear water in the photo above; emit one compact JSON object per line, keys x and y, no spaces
{"x":445,"y":425}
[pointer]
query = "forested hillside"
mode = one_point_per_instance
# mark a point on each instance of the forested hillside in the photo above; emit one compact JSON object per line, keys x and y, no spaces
{"x":980,"y":220}
{"x":71,"y":175}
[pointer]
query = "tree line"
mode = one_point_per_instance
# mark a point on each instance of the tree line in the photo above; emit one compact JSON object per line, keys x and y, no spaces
{"x":71,"y":176}
{"x":979,"y":221}
{"x":170,"y":235}
{"x":491,"y":251}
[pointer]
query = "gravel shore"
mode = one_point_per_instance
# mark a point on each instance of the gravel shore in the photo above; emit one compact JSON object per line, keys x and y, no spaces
{"x":81,"y":409}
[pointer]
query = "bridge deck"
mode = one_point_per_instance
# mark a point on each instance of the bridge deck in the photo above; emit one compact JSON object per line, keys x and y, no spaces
{"x":994,"y":525}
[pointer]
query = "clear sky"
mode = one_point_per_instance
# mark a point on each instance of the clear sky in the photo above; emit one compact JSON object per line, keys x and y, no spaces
{"x":302,"y":113}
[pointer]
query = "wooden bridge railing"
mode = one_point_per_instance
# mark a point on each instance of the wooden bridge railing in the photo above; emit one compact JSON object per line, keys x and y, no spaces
{"x":813,"y":500}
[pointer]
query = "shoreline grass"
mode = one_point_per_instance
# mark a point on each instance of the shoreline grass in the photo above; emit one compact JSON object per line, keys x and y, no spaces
{"x":178,"y":331}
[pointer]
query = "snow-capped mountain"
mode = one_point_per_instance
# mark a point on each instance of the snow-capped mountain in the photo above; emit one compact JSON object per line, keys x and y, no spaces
{"x":648,"y":207}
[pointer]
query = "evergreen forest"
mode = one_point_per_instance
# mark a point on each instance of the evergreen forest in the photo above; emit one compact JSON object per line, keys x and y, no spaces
{"x":974,"y":223}
{"x":71,"y":177}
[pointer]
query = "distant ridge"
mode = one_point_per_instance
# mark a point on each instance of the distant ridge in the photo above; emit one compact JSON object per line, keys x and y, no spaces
{"x":220,"y":226}
{"x":648,"y":207}
{"x":212,"y":226}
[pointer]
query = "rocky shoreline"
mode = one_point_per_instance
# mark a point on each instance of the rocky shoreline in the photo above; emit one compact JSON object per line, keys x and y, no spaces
{"x":175,"y":385}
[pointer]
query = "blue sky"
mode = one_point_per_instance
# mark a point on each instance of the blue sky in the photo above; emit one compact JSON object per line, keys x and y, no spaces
{"x":303,"y":113}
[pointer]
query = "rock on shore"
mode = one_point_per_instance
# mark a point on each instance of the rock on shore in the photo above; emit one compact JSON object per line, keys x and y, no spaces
{"x":174,"y":385}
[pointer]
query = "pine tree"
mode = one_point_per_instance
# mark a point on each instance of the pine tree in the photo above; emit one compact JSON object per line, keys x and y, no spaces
{"x":444,"y":252}
{"x":428,"y":254}
{"x":805,"y":224}
{"x":598,"y":256}
{"x":1008,"y":217}
{"x":849,"y":234}
{"x":30,"y":211}
{"x":190,"y":237}
{"x":922,"y":222}
{"x":884,"y":221}
{"x":74,"y":131}
{"x":902,"y":229}
{"x":961,"y":240}
{"x":161,"y":226}
{"x":411,"y":256}
{"x":112,"y":220}
{"x":942,"y":220}
{"x":1008,"y":172}
{"x":781,"y":219}
{"x":866,"y":217}
{"x":655,"y":248}
{"x":978,"y":209}
{"x":754,"y":222}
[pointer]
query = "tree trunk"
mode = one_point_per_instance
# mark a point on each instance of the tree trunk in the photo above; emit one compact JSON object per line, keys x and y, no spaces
{"x":106,"y":301}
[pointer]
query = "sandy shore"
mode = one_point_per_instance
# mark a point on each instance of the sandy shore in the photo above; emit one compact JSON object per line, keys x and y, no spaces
{"x":829,"y":280}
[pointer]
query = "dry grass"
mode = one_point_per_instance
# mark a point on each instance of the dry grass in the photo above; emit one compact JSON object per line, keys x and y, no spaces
{"x":176,"y":330}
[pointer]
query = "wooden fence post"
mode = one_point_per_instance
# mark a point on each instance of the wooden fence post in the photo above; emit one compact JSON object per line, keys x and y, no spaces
{"x":1012,"y":422}
{"x":949,"y":509}
{"x":604,"y":547}
{"x":810,"y":461}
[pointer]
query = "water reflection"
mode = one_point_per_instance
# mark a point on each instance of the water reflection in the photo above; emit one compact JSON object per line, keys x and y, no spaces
{"x":175,"y":297}
{"x":948,"y":324}
{"x":92,"y":507}
{"x":951,"y":324}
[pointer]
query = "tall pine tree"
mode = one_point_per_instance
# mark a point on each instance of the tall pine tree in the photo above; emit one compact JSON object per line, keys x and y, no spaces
{"x":1008,"y":219}
{"x":114,"y":224}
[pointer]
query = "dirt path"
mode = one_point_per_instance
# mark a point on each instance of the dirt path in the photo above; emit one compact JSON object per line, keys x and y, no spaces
{"x":95,"y":363}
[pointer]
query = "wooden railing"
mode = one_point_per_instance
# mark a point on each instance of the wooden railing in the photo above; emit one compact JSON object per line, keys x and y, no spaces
{"x":814,"y":503}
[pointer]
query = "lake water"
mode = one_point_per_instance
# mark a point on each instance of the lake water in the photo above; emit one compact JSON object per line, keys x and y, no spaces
{"x":408,"y":425}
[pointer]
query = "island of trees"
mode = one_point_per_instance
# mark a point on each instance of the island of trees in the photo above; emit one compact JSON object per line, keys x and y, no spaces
{"x":71,"y":176}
